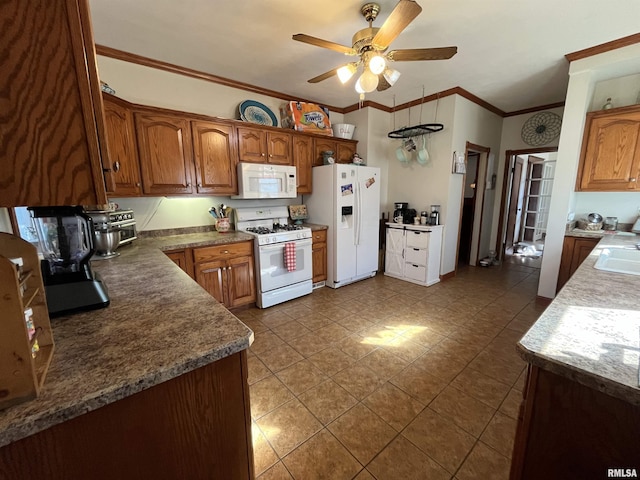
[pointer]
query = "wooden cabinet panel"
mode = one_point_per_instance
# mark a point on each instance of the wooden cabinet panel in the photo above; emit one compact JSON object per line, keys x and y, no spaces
{"x":216,"y":157}
{"x":184,"y":259}
{"x":53,"y":139}
{"x":610,"y":159}
{"x":242,"y":285}
{"x":319,"y":255}
{"x":262,"y":146}
{"x":166,"y":157}
{"x":252,"y":145}
{"x":323,"y":145}
{"x":123,"y":179}
{"x":227,"y":272}
{"x":574,"y":251}
{"x":279,"y":148}
{"x":345,"y":152}
{"x":303,"y":161}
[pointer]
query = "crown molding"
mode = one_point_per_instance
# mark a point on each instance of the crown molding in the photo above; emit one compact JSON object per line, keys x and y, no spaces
{"x":605,"y":47}
{"x":177,"y":69}
{"x":535,"y":109}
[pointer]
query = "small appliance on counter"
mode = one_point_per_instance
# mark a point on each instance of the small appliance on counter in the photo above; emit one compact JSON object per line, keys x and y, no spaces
{"x":402,"y":213}
{"x":65,"y":236}
{"x":111,"y":229}
{"x":434,"y":218}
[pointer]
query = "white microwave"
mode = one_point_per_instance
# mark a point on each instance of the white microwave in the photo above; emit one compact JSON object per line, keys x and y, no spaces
{"x":260,"y":180}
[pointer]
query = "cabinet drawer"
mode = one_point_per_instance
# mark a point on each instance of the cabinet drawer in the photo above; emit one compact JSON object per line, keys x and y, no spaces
{"x":319,"y":236}
{"x":417,"y":239}
{"x":221,"y":252}
{"x":415,"y":272}
{"x":416,"y":255}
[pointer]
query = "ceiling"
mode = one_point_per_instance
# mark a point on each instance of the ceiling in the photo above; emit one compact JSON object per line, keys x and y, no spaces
{"x":510,"y":52}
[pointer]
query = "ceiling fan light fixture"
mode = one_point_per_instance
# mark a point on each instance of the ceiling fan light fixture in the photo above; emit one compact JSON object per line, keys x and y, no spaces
{"x":346,"y":72}
{"x":391,"y":75}
{"x":377,"y":64}
{"x":368,"y":81}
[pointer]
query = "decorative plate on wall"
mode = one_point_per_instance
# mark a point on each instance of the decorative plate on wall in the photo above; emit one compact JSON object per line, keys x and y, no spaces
{"x":541,"y":129}
{"x":256,"y":112}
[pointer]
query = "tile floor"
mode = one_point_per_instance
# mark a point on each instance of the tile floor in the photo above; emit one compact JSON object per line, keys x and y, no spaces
{"x":383,"y":379}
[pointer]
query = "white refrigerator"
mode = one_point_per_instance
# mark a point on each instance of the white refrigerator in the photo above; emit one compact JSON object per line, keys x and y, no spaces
{"x":346,"y":197}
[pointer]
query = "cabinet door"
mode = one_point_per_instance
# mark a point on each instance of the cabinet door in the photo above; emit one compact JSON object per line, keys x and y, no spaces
{"x":394,"y":254}
{"x":322,"y":145}
{"x":212,"y":277}
{"x":319,"y":255}
{"x":216,"y":157}
{"x":303,"y":160}
{"x":611,"y":154}
{"x":124,"y":177}
{"x":52,"y":134}
{"x":345,"y":152}
{"x":166,"y":158}
{"x":574,"y":252}
{"x":252,"y":145}
{"x":241,"y":286}
{"x":279,"y":148}
{"x":182,"y":258}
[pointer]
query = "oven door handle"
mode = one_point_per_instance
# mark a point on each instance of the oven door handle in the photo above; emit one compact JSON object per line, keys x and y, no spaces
{"x":278,"y":246}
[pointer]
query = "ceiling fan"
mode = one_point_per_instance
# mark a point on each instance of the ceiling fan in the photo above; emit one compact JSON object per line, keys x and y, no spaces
{"x":371,"y":45}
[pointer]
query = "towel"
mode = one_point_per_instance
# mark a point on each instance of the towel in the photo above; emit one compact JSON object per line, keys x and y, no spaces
{"x":290,"y":256}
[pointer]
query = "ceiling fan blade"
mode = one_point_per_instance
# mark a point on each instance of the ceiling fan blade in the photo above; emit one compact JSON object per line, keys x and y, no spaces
{"x":415,"y":54}
{"x":401,"y":16}
{"x":324,"y":76}
{"x":318,"y":42}
{"x":382,"y":83}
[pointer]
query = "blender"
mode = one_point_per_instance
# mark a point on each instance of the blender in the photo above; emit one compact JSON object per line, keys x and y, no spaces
{"x":65,"y":236}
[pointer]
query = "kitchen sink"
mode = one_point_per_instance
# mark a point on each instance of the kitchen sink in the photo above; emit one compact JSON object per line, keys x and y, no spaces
{"x":619,"y":260}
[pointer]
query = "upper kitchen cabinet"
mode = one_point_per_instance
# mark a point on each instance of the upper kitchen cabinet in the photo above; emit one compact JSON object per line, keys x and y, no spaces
{"x":166,"y":154}
{"x":52,"y":120}
{"x":259,"y":145}
{"x":216,"y":157}
{"x":303,"y":160}
{"x":610,"y":158}
{"x":343,"y":150}
{"x":123,"y":175}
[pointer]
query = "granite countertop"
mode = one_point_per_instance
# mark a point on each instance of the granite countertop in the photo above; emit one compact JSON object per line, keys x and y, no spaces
{"x":576,"y":232}
{"x":590,"y":333}
{"x":160,"y":324}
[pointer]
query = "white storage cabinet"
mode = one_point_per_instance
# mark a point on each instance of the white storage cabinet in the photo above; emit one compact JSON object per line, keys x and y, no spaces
{"x":413,"y":253}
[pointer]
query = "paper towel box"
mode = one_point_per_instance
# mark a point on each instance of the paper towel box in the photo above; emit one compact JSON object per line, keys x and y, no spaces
{"x":306,"y":117}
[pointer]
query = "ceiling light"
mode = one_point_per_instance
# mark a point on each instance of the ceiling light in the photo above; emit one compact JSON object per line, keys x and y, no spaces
{"x":346,"y":72}
{"x":377,"y":64}
{"x":391,"y":75}
{"x":368,"y":81}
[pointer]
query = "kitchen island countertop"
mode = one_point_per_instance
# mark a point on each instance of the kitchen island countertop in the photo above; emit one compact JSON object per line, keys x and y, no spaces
{"x":160,"y":324}
{"x":590,"y":333}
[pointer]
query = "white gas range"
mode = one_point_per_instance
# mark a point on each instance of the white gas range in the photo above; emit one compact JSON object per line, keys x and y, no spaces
{"x":278,"y":279}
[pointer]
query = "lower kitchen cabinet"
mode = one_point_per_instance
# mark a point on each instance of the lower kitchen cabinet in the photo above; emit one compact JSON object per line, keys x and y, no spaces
{"x":227,"y":272}
{"x":197,"y":425}
{"x":182,"y":258}
{"x":413,"y":253}
{"x":319,"y":255}
{"x":574,"y":251}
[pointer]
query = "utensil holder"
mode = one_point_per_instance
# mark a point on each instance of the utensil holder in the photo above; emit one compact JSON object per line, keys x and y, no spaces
{"x":223,"y":225}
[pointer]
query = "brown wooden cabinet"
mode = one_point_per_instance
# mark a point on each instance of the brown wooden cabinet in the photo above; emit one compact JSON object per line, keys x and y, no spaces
{"x":258,"y":145}
{"x":123,"y":175}
{"x":197,"y":425}
{"x":183,"y":258}
{"x":227,"y":272}
{"x":343,"y":149}
{"x":303,"y":160}
{"x":610,"y":158}
{"x":216,"y":157}
{"x":166,"y":155}
{"x":574,"y":251}
{"x":319,"y":255}
{"x":53,"y":138}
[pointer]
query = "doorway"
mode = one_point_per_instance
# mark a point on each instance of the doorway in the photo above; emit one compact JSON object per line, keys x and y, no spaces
{"x":526,"y":197}
{"x":468,"y":208}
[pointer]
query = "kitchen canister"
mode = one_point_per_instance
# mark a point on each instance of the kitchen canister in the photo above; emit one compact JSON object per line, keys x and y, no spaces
{"x":343,"y":130}
{"x":223,"y":224}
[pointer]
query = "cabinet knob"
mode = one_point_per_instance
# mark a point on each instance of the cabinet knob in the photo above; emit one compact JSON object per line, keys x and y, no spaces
{"x":116,"y":167}
{"x":632,"y":179}
{"x":226,"y":251}
{"x":199,"y":185}
{"x":262,"y":154}
{"x":137,"y":184}
{"x":189,"y":184}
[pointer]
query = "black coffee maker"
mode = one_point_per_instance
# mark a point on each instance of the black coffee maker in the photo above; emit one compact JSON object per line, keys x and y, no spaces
{"x":65,"y":235}
{"x":402,"y":213}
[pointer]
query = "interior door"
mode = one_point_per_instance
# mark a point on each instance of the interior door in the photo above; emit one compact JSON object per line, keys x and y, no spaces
{"x":514,"y":209}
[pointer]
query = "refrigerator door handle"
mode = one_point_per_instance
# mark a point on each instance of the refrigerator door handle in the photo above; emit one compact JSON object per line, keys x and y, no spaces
{"x":358,"y":202}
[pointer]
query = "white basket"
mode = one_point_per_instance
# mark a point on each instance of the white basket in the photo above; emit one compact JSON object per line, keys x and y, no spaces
{"x":343,"y":130}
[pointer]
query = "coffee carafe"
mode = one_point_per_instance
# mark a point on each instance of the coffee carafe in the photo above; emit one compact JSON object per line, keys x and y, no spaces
{"x":65,"y":235}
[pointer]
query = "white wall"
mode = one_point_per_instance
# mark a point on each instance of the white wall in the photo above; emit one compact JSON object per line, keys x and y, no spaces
{"x":623,"y":91}
{"x":584,"y":75}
